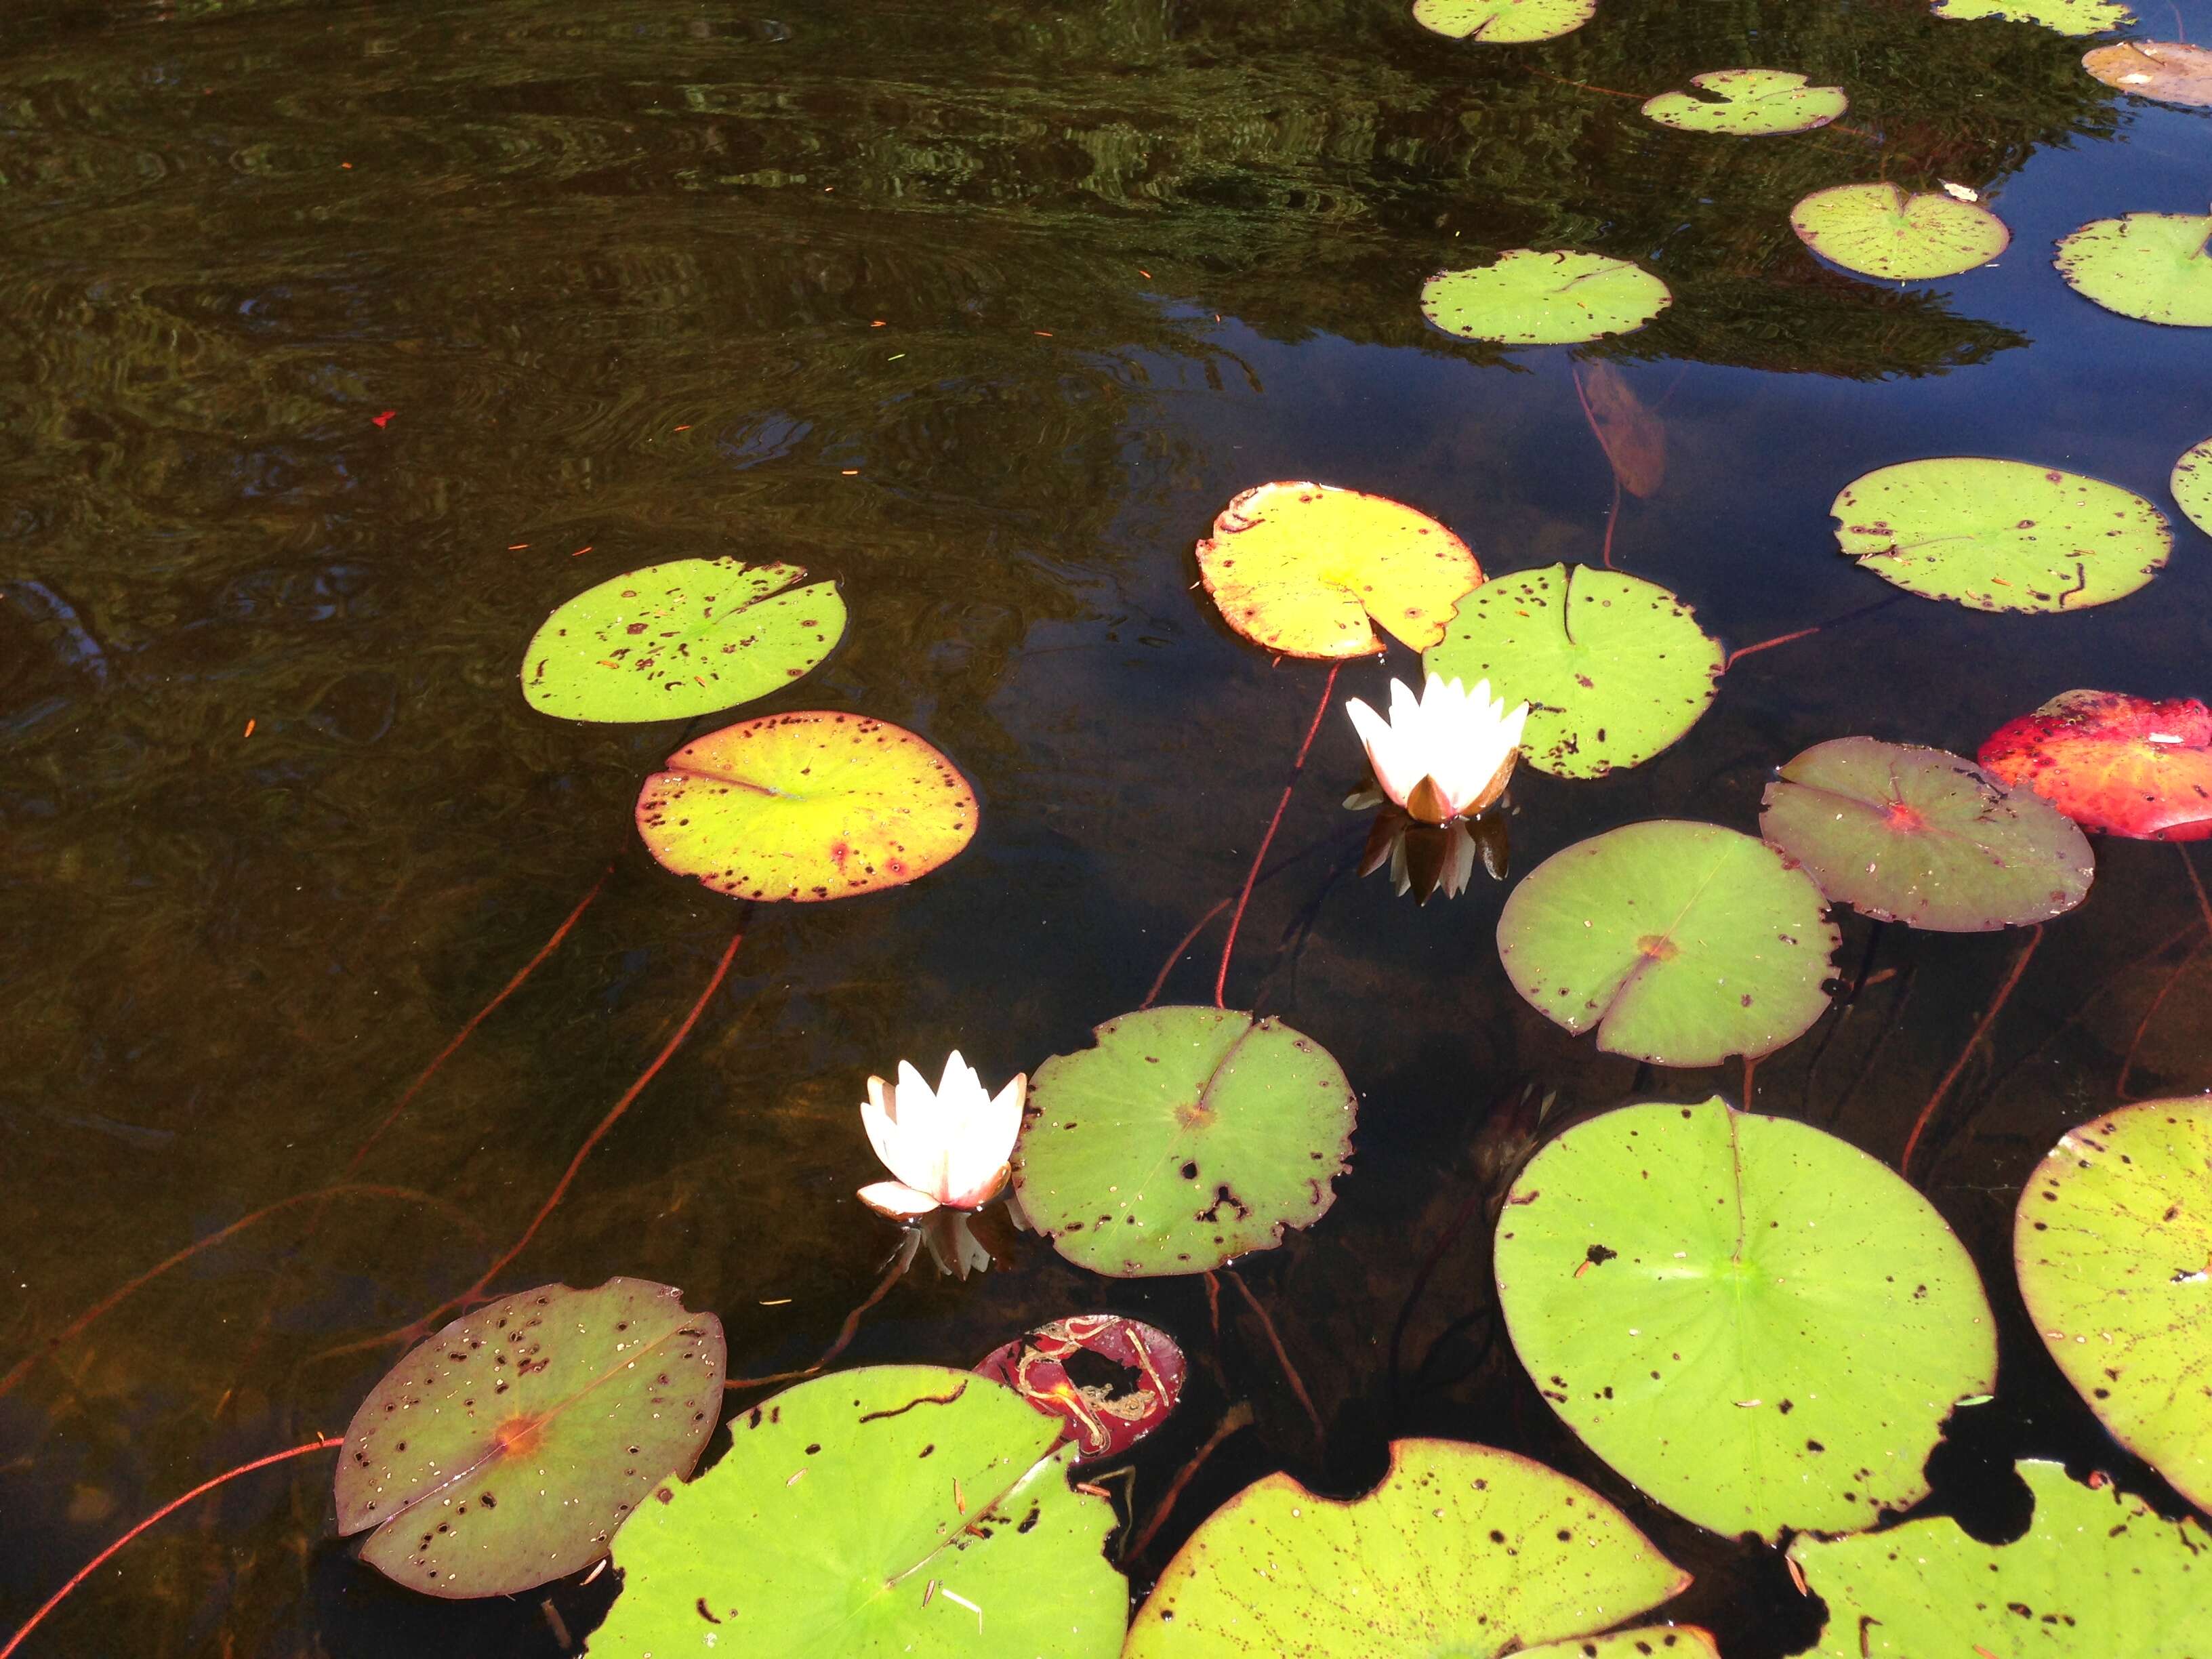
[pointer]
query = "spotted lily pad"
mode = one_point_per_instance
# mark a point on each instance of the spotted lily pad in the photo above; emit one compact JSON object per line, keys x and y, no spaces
{"x":2123,"y":765}
{"x":2155,"y":266}
{"x":2171,"y":71}
{"x":2065,"y":16}
{"x":806,"y":807}
{"x":2098,"y":1574}
{"x":1460,"y":1550}
{"x":1681,"y":942}
{"x":1185,"y":1137}
{"x":1301,"y":568}
{"x":1528,"y":297}
{"x":1646,"y":1642}
{"x":1925,"y":837}
{"x":1104,"y":1419}
{"x":1613,"y":668}
{"x":1879,"y":230}
{"x":905,"y":1510}
{"x":673,"y":641}
{"x":2193,"y":485}
{"x":1748,"y":103}
{"x":1504,"y":22}
{"x":1761,"y":1325}
{"x":503,"y":1452}
{"x":2001,"y":535}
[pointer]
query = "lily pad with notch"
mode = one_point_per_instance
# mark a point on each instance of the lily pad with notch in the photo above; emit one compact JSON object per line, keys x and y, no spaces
{"x":1504,"y":22}
{"x":1111,"y":1381}
{"x":2169,"y":71}
{"x":2063,"y":16}
{"x":1529,"y":296}
{"x":2152,"y":266}
{"x":2120,"y":764}
{"x":1881,"y":230}
{"x":1748,"y":103}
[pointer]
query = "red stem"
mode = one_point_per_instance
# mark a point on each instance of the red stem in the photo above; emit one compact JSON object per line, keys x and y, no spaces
{"x":2142,"y":1026}
{"x":1237,"y":919}
{"x":1590,"y":414}
{"x":1750,"y":1068}
{"x":1282,"y":1356}
{"x":845,"y":1334}
{"x":1238,"y":1416}
{"x":1174,"y":956}
{"x":1766,"y":645}
{"x":1981,"y":1030}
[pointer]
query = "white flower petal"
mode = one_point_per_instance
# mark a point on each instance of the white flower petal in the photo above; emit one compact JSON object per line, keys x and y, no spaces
{"x":897,"y":1200}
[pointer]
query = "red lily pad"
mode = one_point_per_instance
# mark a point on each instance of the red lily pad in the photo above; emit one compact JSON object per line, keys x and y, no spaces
{"x":1135,"y":1374}
{"x":2123,"y":765}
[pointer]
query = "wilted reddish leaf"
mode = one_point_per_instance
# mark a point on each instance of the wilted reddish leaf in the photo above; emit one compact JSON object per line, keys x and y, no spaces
{"x":2123,"y":765}
{"x":1108,"y":1414}
{"x":1634,"y":439}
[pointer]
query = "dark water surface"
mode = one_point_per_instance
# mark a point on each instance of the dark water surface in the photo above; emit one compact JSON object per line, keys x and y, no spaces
{"x":616,"y":270}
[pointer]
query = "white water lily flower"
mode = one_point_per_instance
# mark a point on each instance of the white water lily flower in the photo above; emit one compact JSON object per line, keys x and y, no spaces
{"x":948,"y":1145}
{"x":1443,"y":754}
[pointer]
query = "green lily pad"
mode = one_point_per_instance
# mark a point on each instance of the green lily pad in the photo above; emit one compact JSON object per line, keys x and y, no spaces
{"x":2113,"y":1244}
{"x":2155,"y":266}
{"x":2066,"y":16}
{"x":1749,"y":103}
{"x":2193,"y":485}
{"x":1533,"y":298}
{"x":1646,"y":1642}
{"x":1185,"y":1137}
{"x":1461,"y":1550}
{"x":1504,"y":22}
{"x":673,"y":641}
{"x":1613,"y":668}
{"x":1925,"y":837}
{"x":1878,"y":230}
{"x":1761,"y":1325}
{"x":503,"y":1452}
{"x":806,"y":807}
{"x":2001,"y":535}
{"x":895,"y":1510}
{"x":1681,"y":942}
{"x":2098,"y":1574}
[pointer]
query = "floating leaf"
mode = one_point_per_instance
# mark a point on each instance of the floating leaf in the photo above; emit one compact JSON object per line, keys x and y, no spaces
{"x":1529,"y":297}
{"x":2123,"y":765}
{"x":1921,"y":836}
{"x":903,"y":1510}
{"x":1878,"y":230}
{"x":2171,"y":71}
{"x":503,"y":1452}
{"x":1681,"y":942}
{"x":1761,"y":1325}
{"x":2150,"y":265}
{"x":806,"y":806}
{"x":1748,"y":103}
{"x":1185,"y":1137}
{"x":1504,"y":22}
{"x":673,"y":641}
{"x":1613,"y":668}
{"x":2066,"y":16}
{"x":1300,"y":567}
{"x":2193,"y":485}
{"x":1460,"y":1550}
{"x":2098,"y":1574}
{"x":1633,"y":438}
{"x":2001,"y":535}
{"x":1648,"y":1641}
{"x":1102,"y":1419}
{"x":2112,"y":1241}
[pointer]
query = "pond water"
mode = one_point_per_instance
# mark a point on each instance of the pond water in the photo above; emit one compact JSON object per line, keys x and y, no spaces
{"x":342,"y":342}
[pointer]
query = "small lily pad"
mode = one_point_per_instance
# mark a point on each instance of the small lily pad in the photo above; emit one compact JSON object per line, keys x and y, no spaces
{"x":1878,"y":230}
{"x":672,"y":641}
{"x":2193,"y":485}
{"x":2098,"y":1574}
{"x":1529,"y":297}
{"x":2154,"y":266}
{"x":2123,"y":765}
{"x":1748,"y":103}
{"x":2170,"y":71}
{"x":2001,"y":535}
{"x":1919,"y":835}
{"x":503,"y":1452}
{"x":1185,"y":1137}
{"x":1460,"y":1550}
{"x":2065,"y":16}
{"x":1696,"y":1292}
{"x":1301,"y":568}
{"x":1681,"y":942}
{"x":2112,"y":1241}
{"x":906,"y":1510}
{"x":806,"y":807}
{"x":1613,"y":668}
{"x":1504,"y":22}
{"x":1104,"y":1419}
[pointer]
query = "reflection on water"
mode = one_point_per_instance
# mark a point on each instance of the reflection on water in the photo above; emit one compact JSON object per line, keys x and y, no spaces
{"x":344,"y":342}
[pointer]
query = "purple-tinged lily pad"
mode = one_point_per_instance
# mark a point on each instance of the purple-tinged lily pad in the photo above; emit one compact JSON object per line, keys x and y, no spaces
{"x":1105,"y":1418}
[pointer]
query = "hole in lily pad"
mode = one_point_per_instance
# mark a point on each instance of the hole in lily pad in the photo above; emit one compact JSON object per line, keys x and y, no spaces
{"x":1111,"y":1381}
{"x":1530,"y":297}
{"x":1748,"y":103}
{"x":2171,"y":71}
{"x":1504,"y":22}
{"x":1879,"y":230}
{"x":2123,"y":765}
{"x":2154,"y":266}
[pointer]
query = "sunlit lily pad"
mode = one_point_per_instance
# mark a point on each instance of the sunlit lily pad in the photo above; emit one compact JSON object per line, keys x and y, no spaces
{"x":806,"y":807}
{"x":1878,"y":230}
{"x":1761,"y":1325}
{"x":2193,"y":485}
{"x":2066,"y":16}
{"x":905,"y":1510}
{"x":1529,"y":297}
{"x":2001,"y":535}
{"x":1504,"y":22}
{"x":1681,"y":943}
{"x":1460,"y":1550}
{"x":1925,"y":837}
{"x":1185,"y":1137}
{"x":1644,"y":1642}
{"x":503,"y":1452}
{"x":2112,"y":1241}
{"x":2151,"y":265}
{"x":2126,"y":766}
{"x":676,"y":640}
{"x":1103,"y":1418}
{"x":1748,"y":103}
{"x":2098,"y":1574}
{"x":1301,"y":568}
{"x":1613,"y":668}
